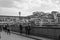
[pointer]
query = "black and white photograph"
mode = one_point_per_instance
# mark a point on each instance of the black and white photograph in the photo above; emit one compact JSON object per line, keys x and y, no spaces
{"x":29,"y":19}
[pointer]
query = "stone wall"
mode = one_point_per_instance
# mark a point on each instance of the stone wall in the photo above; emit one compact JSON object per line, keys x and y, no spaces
{"x":46,"y":32}
{"x":42,"y":31}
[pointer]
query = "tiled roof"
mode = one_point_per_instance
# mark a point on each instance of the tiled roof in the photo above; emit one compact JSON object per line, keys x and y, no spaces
{"x":13,"y":16}
{"x":50,"y":16}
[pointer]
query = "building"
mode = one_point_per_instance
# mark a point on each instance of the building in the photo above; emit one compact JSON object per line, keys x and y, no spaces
{"x":54,"y":13}
{"x":11,"y":19}
{"x":41,"y":18}
{"x":58,"y":18}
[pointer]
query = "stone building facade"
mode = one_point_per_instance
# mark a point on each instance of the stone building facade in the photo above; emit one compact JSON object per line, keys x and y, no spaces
{"x":11,"y":19}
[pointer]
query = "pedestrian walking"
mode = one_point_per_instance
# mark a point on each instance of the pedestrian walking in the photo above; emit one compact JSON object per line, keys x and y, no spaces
{"x":6,"y":29}
{"x":1,"y":28}
{"x":0,"y":31}
{"x":21,"y":28}
{"x":28,"y":29}
{"x":59,"y":37}
{"x":6,"y":26}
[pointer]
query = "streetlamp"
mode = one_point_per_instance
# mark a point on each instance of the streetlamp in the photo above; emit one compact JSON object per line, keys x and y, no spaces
{"x":19,"y":15}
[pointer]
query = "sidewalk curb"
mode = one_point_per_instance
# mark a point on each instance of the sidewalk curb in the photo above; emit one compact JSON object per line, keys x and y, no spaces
{"x":25,"y":35}
{"x":29,"y":36}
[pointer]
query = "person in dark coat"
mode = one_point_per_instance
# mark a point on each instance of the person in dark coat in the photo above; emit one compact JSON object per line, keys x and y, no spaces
{"x":0,"y":31}
{"x":21,"y":28}
{"x":0,"y":28}
{"x":59,"y":37}
{"x":6,"y":29}
{"x":28,"y":29}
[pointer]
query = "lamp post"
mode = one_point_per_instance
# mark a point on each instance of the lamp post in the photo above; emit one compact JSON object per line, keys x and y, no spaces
{"x":19,"y":15}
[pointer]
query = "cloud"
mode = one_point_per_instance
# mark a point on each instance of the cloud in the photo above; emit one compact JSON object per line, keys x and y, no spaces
{"x":22,"y":6}
{"x":35,"y":5}
{"x":0,"y":10}
{"x":57,"y":2}
{"x":43,"y":5}
{"x":9,"y":11}
{"x":6,"y":3}
{"x":28,"y":6}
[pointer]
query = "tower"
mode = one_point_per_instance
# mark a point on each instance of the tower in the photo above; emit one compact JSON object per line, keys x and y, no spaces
{"x":54,"y":13}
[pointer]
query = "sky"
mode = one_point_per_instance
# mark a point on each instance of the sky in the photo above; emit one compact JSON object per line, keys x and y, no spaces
{"x":27,"y":7}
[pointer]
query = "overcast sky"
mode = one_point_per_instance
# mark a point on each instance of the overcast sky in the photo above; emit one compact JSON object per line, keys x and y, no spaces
{"x":26,"y":7}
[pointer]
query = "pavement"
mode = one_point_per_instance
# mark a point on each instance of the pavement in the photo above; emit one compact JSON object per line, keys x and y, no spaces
{"x":31,"y":36}
{"x":19,"y":36}
{"x":5,"y":36}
